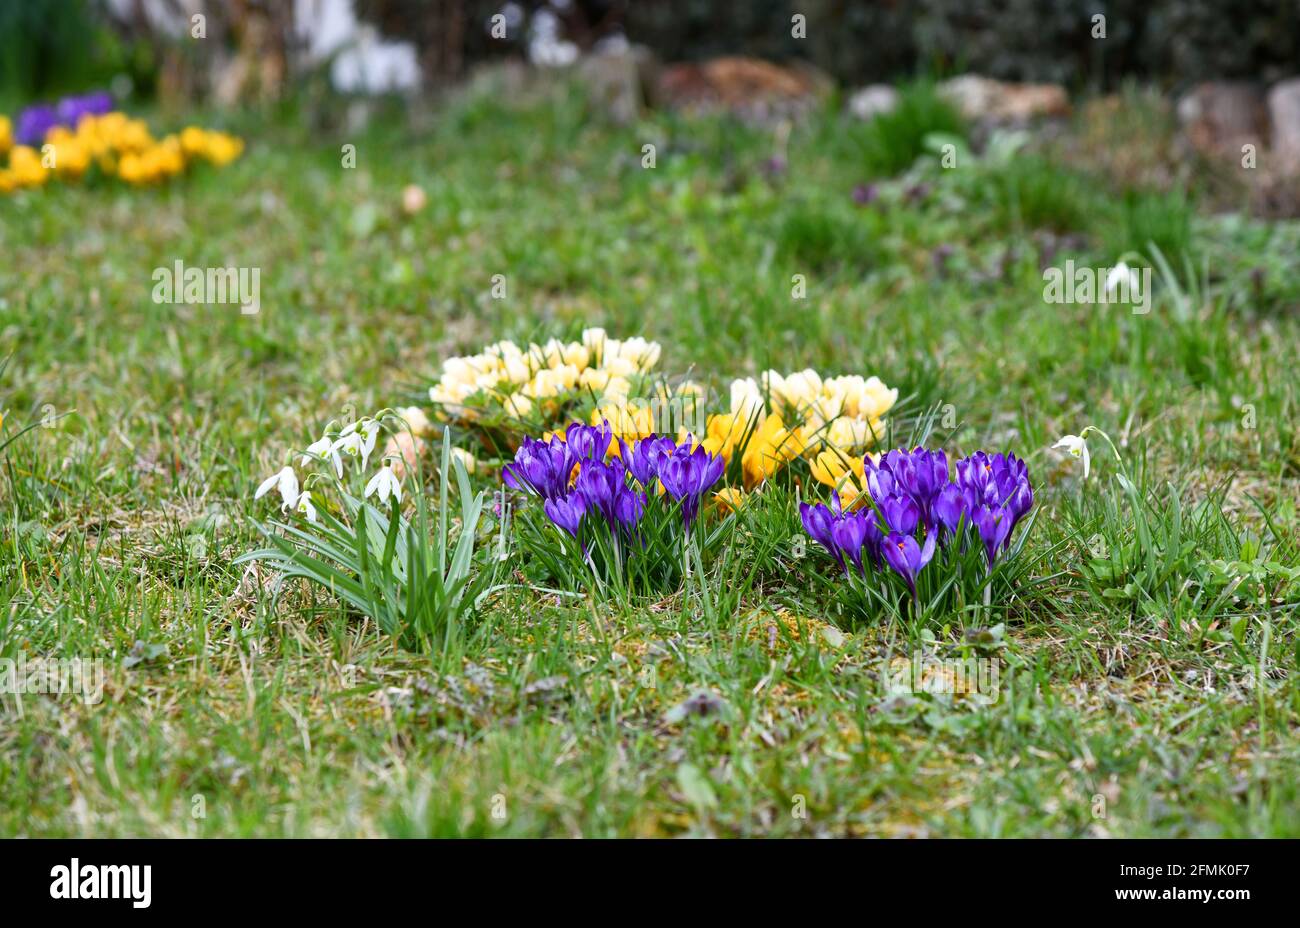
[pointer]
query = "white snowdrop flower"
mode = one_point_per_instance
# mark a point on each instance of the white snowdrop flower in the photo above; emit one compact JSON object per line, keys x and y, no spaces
{"x":358,"y":439}
{"x":286,"y":482}
{"x":305,"y":506}
{"x":1075,"y":446}
{"x":384,"y":483}
{"x":323,"y":450}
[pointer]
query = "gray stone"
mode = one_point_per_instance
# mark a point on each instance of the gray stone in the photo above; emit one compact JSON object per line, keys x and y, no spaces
{"x":1003,"y":103}
{"x":1284,"y":117}
{"x":1219,"y":117}
{"x":618,"y":79}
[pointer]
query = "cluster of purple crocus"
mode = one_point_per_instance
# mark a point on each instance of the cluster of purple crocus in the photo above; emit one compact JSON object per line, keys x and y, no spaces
{"x":908,"y":490}
{"x":601,"y":488}
{"x":35,"y":121}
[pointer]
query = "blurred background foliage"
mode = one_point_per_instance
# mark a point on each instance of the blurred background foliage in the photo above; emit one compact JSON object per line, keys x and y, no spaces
{"x":50,"y":46}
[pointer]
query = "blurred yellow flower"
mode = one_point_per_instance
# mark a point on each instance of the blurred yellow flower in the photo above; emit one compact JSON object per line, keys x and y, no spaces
{"x":71,"y":155}
{"x":769,"y":448}
{"x":25,"y":167}
{"x":730,"y":499}
{"x":119,"y":145}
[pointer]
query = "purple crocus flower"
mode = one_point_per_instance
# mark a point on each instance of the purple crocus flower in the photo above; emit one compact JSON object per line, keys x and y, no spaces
{"x":629,"y":506}
{"x":920,"y":474}
{"x":901,"y":514}
{"x":907,"y":557}
{"x":849,"y":532}
{"x":879,"y":480}
{"x":994,"y":482}
{"x":976,"y":479}
{"x":687,"y":475}
{"x":948,"y":508}
{"x":589,"y":442}
{"x":875,"y":541}
{"x":566,"y":511}
{"x":819,"y":523}
{"x":912,"y":489}
{"x":540,"y":467}
{"x":33,"y":123}
{"x":645,"y":456}
{"x":601,"y":484}
{"x":994,"y":528}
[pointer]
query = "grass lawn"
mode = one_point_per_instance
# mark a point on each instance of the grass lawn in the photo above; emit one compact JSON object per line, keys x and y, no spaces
{"x":1146,"y":658}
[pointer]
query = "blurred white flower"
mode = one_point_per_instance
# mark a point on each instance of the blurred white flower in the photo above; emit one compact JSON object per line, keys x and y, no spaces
{"x":286,"y":482}
{"x":384,"y":483}
{"x":1075,"y":445}
{"x":1121,"y":273}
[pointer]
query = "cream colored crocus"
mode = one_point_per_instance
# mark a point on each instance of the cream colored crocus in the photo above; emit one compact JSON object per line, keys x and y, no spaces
{"x":594,"y":379}
{"x":450,"y":394}
{"x":518,"y":405}
{"x":1075,"y":446}
{"x":285,"y":481}
{"x":642,"y":353}
{"x":464,"y":370}
{"x":876,"y":399}
{"x":593,"y":340}
{"x":416,"y":419}
{"x":617,"y":390}
{"x":619,"y":366}
{"x":466,"y":459}
{"x":746,"y":399}
{"x":849,"y":434}
{"x":516,"y":369}
{"x":800,"y":391}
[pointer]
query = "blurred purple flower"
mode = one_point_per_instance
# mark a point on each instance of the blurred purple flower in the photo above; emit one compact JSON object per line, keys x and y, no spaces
{"x":866,"y":194}
{"x":71,"y":109}
{"x":33,"y":123}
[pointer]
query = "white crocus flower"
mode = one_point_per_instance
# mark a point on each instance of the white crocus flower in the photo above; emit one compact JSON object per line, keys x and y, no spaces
{"x":324,"y":450}
{"x":358,"y":439}
{"x":305,"y":506}
{"x":1076,"y":446}
{"x":384,"y":483}
{"x":1121,"y":273}
{"x":286,"y":482}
